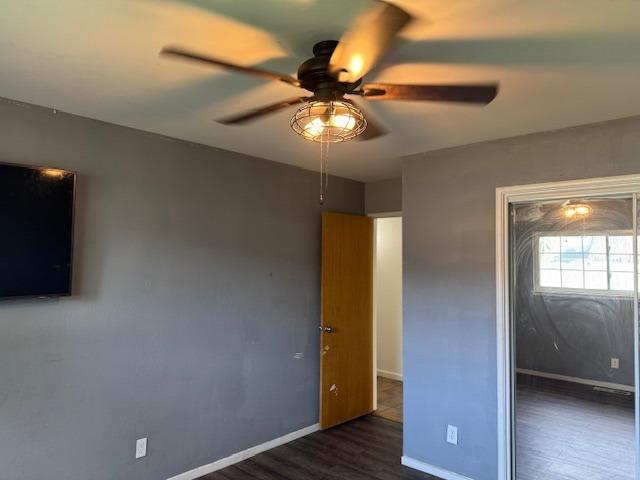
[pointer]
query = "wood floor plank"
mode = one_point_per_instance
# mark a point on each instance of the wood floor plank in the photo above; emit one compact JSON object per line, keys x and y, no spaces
{"x":561,"y":435}
{"x":390,"y":399}
{"x":567,"y":432}
{"x":368,"y":448}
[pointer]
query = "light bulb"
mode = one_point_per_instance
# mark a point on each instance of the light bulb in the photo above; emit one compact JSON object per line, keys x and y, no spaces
{"x":343,"y":121}
{"x":582,"y":210}
{"x":355,"y":65}
{"x":315,"y":127}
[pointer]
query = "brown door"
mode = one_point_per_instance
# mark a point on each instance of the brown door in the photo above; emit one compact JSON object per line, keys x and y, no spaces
{"x":346,"y":339}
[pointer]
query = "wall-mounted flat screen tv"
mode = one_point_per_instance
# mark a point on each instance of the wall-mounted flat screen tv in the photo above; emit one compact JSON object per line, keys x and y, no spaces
{"x":36,"y":231}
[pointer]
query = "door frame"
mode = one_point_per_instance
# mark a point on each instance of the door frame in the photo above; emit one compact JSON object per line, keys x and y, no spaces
{"x":605,"y":186}
{"x":374,"y":259}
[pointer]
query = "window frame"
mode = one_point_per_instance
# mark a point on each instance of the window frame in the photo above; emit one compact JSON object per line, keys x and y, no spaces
{"x":560,"y":291}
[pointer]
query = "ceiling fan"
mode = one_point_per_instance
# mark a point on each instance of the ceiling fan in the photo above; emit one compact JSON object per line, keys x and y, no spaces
{"x":336,"y":71}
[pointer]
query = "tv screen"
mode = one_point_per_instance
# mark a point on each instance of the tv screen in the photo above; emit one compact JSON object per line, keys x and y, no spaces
{"x":36,"y":231}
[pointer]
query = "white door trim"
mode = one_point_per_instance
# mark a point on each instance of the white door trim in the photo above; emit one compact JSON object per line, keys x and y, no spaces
{"x":385,"y":214}
{"x":609,"y":186}
{"x":374,"y":311}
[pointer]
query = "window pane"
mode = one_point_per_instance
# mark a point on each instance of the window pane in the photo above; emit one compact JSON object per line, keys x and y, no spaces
{"x":595,"y":280}
{"x":596,"y":244}
{"x":549,"y":244}
{"x":550,"y":278}
{"x":595,"y":261}
{"x":572,"y":279}
{"x":572,"y":261}
{"x":621,"y":244}
{"x":550,"y":260}
{"x":621,"y":263}
{"x":622,"y":281}
{"x":571,"y":244}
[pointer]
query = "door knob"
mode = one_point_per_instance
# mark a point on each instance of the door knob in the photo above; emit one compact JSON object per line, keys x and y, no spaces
{"x":325,"y":329}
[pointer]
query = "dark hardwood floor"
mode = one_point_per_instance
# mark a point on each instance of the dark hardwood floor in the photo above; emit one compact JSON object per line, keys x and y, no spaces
{"x":564,"y":432}
{"x":389,"y":399}
{"x":368,"y":448}
{"x":570,"y":432}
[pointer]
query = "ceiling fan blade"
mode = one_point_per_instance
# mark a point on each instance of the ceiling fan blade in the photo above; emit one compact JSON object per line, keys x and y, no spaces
{"x":374,"y":129}
{"x":187,"y":55}
{"x":262,"y":111}
{"x":366,"y":40}
{"x":480,"y":94}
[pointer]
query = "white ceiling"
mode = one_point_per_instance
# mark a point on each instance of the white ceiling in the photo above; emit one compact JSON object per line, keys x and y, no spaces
{"x":559,"y":63}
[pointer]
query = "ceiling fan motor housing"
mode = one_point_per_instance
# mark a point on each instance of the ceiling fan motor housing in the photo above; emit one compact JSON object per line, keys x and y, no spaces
{"x":314,"y":74}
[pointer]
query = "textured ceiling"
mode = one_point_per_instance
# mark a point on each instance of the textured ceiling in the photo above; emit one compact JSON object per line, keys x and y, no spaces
{"x":559,"y":63}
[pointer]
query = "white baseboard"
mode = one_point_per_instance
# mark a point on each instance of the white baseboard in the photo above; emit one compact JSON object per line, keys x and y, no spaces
{"x":432,"y":470}
{"x":243,"y":455}
{"x":583,"y":381}
{"x":390,"y":375}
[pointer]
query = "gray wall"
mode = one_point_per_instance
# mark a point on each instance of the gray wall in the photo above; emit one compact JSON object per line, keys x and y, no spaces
{"x":196,"y":282}
{"x":383,"y":196}
{"x":449,"y":277}
{"x":572,"y":335}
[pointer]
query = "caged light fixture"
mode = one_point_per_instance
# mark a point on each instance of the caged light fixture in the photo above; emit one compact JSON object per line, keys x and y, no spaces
{"x":332,"y":121}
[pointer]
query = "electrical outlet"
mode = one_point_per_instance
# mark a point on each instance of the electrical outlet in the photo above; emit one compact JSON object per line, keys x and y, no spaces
{"x":452,"y":435}
{"x":615,"y":363}
{"x":141,"y":447}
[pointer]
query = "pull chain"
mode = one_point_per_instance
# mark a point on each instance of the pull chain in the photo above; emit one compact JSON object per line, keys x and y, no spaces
{"x":321,"y":173}
{"x":324,"y":166}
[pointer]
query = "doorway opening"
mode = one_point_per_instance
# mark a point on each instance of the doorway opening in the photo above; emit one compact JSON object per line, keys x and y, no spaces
{"x":567,"y":274}
{"x":572,"y":277}
{"x":387,"y":300}
{"x":361,"y":318}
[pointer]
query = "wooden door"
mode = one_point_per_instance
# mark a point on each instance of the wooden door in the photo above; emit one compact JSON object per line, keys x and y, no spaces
{"x":346,"y":338}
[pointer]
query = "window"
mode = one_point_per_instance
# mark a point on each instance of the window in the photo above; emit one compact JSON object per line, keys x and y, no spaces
{"x":595,"y":262}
